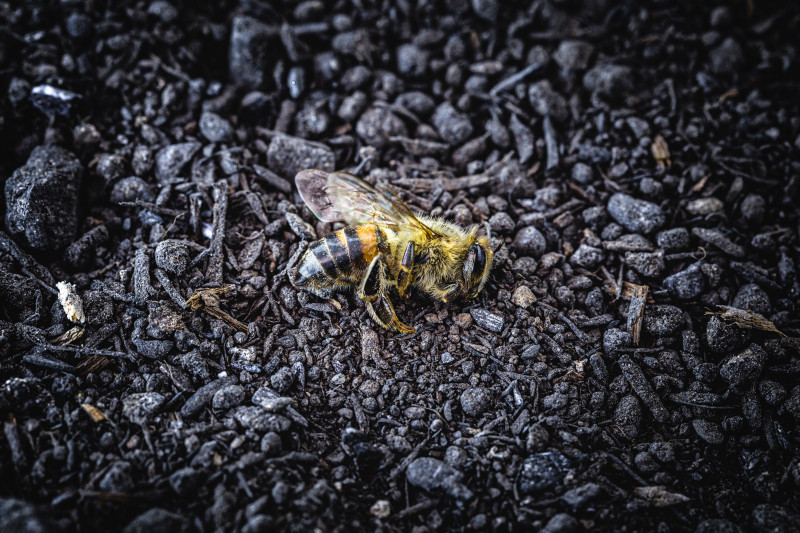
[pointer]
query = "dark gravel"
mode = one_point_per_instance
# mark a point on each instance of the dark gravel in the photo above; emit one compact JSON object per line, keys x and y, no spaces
{"x":631,"y":363}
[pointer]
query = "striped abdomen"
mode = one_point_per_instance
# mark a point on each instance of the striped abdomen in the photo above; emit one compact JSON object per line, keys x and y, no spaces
{"x":338,"y":259}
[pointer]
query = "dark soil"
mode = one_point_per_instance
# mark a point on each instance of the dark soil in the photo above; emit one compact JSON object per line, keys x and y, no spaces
{"x":632,"y":364}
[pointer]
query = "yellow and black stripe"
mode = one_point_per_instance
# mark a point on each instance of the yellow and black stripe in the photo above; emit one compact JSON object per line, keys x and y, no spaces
{"x":341,"y":257}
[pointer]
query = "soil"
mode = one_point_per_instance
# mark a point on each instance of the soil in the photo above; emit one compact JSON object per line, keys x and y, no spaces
{"x":631,"y":365}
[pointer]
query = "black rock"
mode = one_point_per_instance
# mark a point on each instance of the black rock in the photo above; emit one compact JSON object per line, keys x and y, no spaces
{"x":158,"y":520}
{"x":638,"y":216}
{"x":110,"y":167}
{"x":289,"y":155}
{"x":751,"y":297}
{"x":412,"y":61}
{"x":561,"y":523}
{"x":131,"y":189}
{"x":580,"y":498}
{"x":204,"y":394}
{"x":727,"y":58}
{"x":215,"y":128}
{"x":453,"y":126}
{"x":530,"y":241}
{"x":648,"y":264}
{"x":378,"y":124}
{"x":54,"y":100}
{"x":715,"y":237}
{"x":608,"y":80}
{"x":582,"y":173}
{"x":663,"y":320}
{"x":587,"y":257}
{"x":723,"y":337}
{"x":541,"y":471}
{"x":711,"y":432}
{"x":687,"y":284}
{"x":282,"y":379}
{"x":488,"y":320}
{"x":573,"y":55}
{"x":475,"y":401}
{"x":432,"y":474}
{"x":718,"y":525}
{"x":171,"y":159}
{"x":117,"y":478}
{"x":185,"y":481}
{"x":249,"y":56}
{"x":173,"y":256}
{"x":42,"y":199}
{"x":745,"y":366}
{"x":628,"y":416}
{"x":22,"y":517}
{"x":486,"y":9}
{"x":673,"y":239}
{"x":141,"y":406}
{"x":228,"y":397}
{"x":547,"y":102}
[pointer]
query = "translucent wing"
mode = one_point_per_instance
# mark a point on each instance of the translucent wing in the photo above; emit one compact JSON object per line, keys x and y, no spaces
{"x":342,"y":196}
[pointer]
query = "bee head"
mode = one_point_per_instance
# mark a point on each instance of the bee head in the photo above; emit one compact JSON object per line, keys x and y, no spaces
{"x":477,"y":265}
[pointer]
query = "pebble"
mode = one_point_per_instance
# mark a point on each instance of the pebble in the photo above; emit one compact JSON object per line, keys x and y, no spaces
{"x":204,"y":395}
{"x":727,"y":58}
{"x":663,"y":451}
{"x":488,"y":320}
{"x":745,"y":366}
{"x":23,"y":517}
{"x":751,"y":297}
{"x":712,"y":236}
{"x":609,"y":80}
{"x":289,"y":155}
{"x":711,"y":432}
{"x":271,"y":444}
{"x":673,"y":239}
{"x":772,"y":391}
{"x":663,"y":320}
{"x":541,"y":471}
{"x":638,"y":216}
{"x":173,"y":256}
{"x":561,"y":523}
{"x":486,"y":9}
{"x":628,"y":416}
{"x":418,"y":102}
{"x":215,"y":128}
{"x":250,"y":55}
{"x":117,"y":478}
{"x":431,"y":474}
{"x":547,"y":102}
{"x":453,"y":126}
{"x":378,"y":124}
{"x":633,"y":373}
{"x":530,"y":241}
{"x":523,"y":297}
{"x":159,"y":520}
{"x":475,"y":401}
{"x":723,"y":337}
{"x":171,"y":159}
{"x":573,"y":55}
{"x":704,"y":206}
{"x":687,"y":284}
{"x":282,"y":379}
{"x":648,"y":264}
{"x":718,"y":525}
{"x":131,"y":189}
{"x":752,"y":209}
{"x":184,"y":481}
{"x":110,"y":167}
{"x":632,"y":242}
{"x":580,"y":498}
{"x":501,"y":223}
{"x":227,"y":397}
{"x":614,"y":339}
{"x":582,"y":173}
{"x":412,"y":61}
{"x":140,"y":406}
{"x":587,"y":257}
{"x":42,"y":199}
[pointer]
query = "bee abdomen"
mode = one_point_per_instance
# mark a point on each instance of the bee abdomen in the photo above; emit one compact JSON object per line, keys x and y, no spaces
{"x":337,"y":257}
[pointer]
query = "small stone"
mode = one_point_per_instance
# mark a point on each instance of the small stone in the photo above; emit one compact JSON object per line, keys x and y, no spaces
{"x":614,"y":339}
{"x":723,"y":337}
{"x":117,"y":479}
{"x":228,"y":397}
{"x":582,"y":173}
{"x":173,"y":256}
{"x":632,"y":242}
{"x":580,"y":498}
{"x":628,"y":416}
{"x":501,"y":223}
{"x":710,"y":432}
{"x":20,"y":516}
{"x":573,"y":55}
{"x":530,"y":241}
{"x":453,"y":126}
{"x":42,"y":199}
{"x":141,"y":406}
{"x":716,"y":238}
{"x":131,"y":189}
{"x":378,"y":124}
{"x":663,"y":320}
{"x":547,"y":102}
{"x":184,"y":482}
{"x":608,"y":80}
{"x":638,"y":216}
{"x":727,"y":58}
{"x":523,"y":297}
{"x":488,"y":320}
{"x":687,"y":284}
{"x":412,"y":62}
{"x":289,"y":155}
{"x":204,"y":395}
{"x":158,"y":520}
{"x":215,"y":128}
{"x":110,"y":167}
{"x":744,"y":367}
{"x":541,"y":471}
{"x":271,"y":444}
{"x":664,"y":452}
{"x":432,"y":474}
{"x":587,"y":257}
{"x":751,"y":297}
{"x":704,"y":206}
{"x":673,"y":239}
{"x":486,"y":9}
{"x":753,"y":208}
{"x":282,"y":379}
{"x":561,"y":523}
{"x":718,"y":525}
{"x":250,"y":56}
{"x":646,"y":263}
{"x":772,"y":391}
{"x":171,"y":159}
{"x":475,"y":401}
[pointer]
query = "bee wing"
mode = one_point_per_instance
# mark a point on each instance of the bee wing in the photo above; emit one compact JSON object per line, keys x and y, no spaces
{"x":312,"y":184}
{"x":361,"y":203}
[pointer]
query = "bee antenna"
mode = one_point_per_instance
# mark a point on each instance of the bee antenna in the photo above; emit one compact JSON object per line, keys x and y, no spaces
{"x":488,"y":229}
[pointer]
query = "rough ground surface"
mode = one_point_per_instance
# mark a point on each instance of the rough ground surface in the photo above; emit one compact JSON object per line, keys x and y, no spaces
{"x":633,"y":363}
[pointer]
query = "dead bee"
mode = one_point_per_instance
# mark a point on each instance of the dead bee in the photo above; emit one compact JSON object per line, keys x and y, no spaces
{"x":385,"y":246}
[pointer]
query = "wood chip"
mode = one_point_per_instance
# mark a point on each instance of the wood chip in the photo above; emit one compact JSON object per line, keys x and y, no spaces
{"x":660,"y":151}
{"x":745,"y":319}
{"x":96,"y":414}
{"x":636,"y":310}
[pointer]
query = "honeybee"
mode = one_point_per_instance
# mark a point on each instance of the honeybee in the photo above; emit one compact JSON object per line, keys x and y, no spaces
{"x":385,"y":247}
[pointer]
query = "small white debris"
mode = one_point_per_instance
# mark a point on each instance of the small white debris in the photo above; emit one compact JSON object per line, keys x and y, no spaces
{"x":70,"y":301}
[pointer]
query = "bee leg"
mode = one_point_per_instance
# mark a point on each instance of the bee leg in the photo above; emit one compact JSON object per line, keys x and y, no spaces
{"x":404,"y":277}
{"x":379,"y":306}
{"x":449,"y":292}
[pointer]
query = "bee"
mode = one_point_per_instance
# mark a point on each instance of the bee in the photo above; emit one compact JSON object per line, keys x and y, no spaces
{"x":385,"y":249}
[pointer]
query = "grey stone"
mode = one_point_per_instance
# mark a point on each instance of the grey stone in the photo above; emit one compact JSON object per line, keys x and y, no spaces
{"x":141,"y":406}
{"x":639,"y":216}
